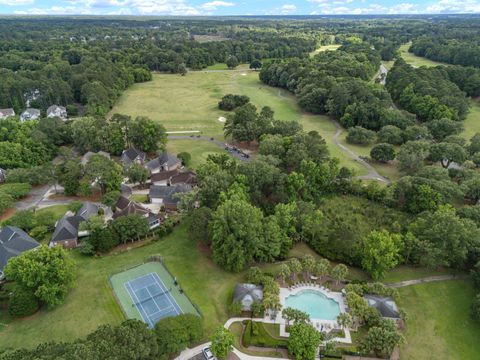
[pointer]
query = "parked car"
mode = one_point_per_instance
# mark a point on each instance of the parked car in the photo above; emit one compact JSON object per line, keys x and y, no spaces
{"x":208,"y":354}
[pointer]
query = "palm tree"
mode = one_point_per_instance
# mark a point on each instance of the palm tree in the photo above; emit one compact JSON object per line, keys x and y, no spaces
{"x":339,"y":273}
{"x":322,"y":268}
{"x":295,"y":267}
{"x":344,"y":320}
{"x":308,"y":264}
{"x":284,"y":272}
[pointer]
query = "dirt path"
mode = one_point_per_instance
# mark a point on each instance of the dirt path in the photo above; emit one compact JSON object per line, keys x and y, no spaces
{"x":427,"y":280}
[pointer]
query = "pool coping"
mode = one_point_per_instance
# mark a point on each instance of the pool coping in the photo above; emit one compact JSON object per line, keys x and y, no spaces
{"x":319,"y":324}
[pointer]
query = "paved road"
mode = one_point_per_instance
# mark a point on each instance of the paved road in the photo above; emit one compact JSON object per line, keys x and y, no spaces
{"x":33,"y":199}
{"x":220,"y":144}
{"x":372,"y":173}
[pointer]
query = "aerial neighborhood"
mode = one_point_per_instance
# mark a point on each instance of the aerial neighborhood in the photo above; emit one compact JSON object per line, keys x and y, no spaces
{"x":282,"y":186}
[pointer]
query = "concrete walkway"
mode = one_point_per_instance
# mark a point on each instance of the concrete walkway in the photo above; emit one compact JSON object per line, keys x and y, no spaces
{"x":427,"y":280}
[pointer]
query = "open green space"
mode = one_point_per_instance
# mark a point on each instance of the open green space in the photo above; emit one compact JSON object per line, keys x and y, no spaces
{"x":331,"y":47}
{"x":190,"y":102}
{"x":57,"y":211}
{"x":198,"y":149}
{"x":438,"y":322}
{"x":414,"y":60}
{"x":237,"y":329}
{"x":471,"y":125}
{"x":119,"y":280}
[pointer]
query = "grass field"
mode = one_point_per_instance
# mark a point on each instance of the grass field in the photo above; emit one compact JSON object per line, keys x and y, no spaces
{"x":323,"y":48}
{"x":472,"y":123}
{"x":199,"y":149}
{"x":414,"y":60}
{"x":190,"y":103}
{"x":438,"y":322}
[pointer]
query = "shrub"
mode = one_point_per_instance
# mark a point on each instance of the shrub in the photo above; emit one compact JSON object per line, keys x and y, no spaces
{"x":231,"y":102}
{"x":383,"y":152}
{"x":22,"y":302}
{"x":174,"y":334}
{"x":16,"y":190}
{"x":6,"y":202}
{"x":185,"y":157}
{"x":390,"y":134}
{"x":475,"y":309}
{"x":360,"y":135}
{"x":37,"y":175}
{"x":75,"y":206}
{"x":235,"y":308}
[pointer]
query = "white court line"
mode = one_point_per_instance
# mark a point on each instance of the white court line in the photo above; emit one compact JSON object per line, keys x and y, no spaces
{"x":157,"y":278}
{"x":139,"y":303}
{"x":164,"y":289}
{"x":164,"y":310}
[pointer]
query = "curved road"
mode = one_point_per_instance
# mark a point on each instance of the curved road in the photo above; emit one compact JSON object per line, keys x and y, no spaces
{"x":372,"y":173}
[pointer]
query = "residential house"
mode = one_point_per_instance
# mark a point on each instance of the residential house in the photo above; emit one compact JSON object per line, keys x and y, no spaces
{"x":66,"y":231}
{"x":247,"y":295}
{"x":57,"y":111}
{"x":3,"y":175}
{"x":13,"y":242}
{"x":164,"y":162}
{"x":6,"y":113}
{"x":67,"y":228}
{"x":385,"y":305}
{"x":30,"y":114}
{"x":187,"y":177}
{"x":163,"y":178}
{"x":126,"y":207}
{"x":88,"y":155}
{"x":167,"y":195}
{"x":133,"y":156}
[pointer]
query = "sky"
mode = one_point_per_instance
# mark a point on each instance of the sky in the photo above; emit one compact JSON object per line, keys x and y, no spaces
{"x":236,"y":7}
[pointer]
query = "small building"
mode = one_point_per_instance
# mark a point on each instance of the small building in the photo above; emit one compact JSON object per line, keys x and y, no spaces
{"x":88,"y":155}
{"x":133,"y":156}
{"x":3,"y":175}
{"x":30,"y":114}
{"x":164,"y":162}
{"x":166,"y":195}
{"x":247,"y":295}
{"x":57,"y":111}
{"x":6,"y":113}
{"x":67,"y":228}
{"x":125,"y":207}
{"x":13,"y":242}
{"x":163,"y":178}
{"x":187,"y":177}
{"x":66,"y":231}
{"x":385,"y":305}
{"x":126,"y":190}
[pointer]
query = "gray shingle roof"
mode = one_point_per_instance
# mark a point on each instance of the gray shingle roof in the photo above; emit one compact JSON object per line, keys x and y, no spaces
{"x":385,"y":305}
{"x":67,"y":228}
{"x":4,"y":113}
{"x":13,"y":242}
{"x":57,"y":111}
{"x":243,"y":291}
{"x":30,"y":114}
{"x":132,"y":154}
{"x":164,"y":159}
{"x":167,"y":192}
{"x":88,"y":210}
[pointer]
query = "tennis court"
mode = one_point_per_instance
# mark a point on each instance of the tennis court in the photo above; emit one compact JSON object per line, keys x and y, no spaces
{"x":148,"y":292}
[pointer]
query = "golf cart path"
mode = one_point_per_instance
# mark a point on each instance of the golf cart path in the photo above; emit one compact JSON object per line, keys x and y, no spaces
{"x":427,"y":280}
{"x":372,"y":174}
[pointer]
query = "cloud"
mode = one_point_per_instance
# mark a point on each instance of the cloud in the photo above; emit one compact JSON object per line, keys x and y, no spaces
{"x":161,"y":7}
{"x":288,"y":8}
{"x":454,"y":6}
{"x":213,"y":5}
{"x":56,"y":10}
{"x":16,"y":2}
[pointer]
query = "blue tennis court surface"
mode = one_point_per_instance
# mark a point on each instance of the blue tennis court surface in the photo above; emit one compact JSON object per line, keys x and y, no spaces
{"x":152,"y":298}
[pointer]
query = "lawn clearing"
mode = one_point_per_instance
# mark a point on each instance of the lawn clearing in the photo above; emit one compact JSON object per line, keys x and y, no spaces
{"x":414,"y":60}
{"x":471,"y":124}
{"x":323,"y":48}
{"x":438,"y":321}
{"x":140,"y":198}
{"x":199,"y":149}
{"x":190,"y":102}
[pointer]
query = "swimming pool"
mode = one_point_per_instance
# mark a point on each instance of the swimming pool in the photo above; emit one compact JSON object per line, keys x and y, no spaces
{"x":315,"y":304}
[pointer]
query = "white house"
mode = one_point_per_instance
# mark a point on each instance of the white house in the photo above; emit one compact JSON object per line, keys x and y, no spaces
{"x":6,"y":113}
{"x":57,"y":111}
{"x":30,"y":114}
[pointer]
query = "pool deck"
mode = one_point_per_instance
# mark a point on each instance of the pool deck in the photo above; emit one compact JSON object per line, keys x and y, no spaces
{"x":319,"y":324}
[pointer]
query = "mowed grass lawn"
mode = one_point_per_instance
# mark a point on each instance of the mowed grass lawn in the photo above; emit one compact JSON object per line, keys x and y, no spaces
{"x":438,"y":323}
{"x":414,"y":60}
{"x":198,"y":149}
{"x":91,"y":302}
{"x":471,"y":124}
{"x":190,"y":102}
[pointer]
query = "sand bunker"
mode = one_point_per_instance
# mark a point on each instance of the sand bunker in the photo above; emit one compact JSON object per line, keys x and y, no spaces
{"x":222,"y":119}
{"x":244,"y":74}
